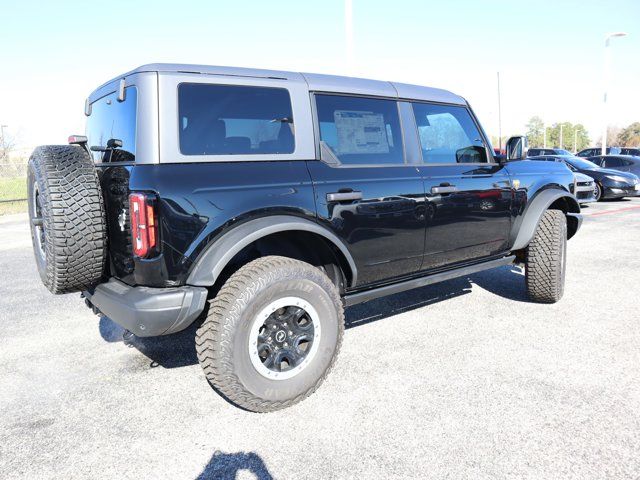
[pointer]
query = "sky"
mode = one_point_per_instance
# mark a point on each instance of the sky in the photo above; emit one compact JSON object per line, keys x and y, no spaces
{"x":549,"y":53}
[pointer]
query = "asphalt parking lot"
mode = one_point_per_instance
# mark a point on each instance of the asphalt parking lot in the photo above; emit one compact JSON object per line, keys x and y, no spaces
{"x":465,"y":379}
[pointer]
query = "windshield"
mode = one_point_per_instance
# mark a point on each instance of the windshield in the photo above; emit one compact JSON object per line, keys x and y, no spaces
{"x":561,"y":151}
{"x":581,"y":163}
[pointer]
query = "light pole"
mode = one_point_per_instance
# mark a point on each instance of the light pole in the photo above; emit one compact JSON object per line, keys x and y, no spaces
{"x":499,"y":117}
{"x":605,"y":76}
{"x":348,"y":33}
{"x":561,"y":126}
{"x":575,"y":140}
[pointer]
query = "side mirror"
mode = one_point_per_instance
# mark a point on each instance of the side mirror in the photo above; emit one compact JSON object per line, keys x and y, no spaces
{"x":471,"y":154}
{"x":517,"y":148}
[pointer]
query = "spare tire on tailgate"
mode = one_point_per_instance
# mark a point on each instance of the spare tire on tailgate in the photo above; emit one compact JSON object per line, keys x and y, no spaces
{"x":67,"y":218}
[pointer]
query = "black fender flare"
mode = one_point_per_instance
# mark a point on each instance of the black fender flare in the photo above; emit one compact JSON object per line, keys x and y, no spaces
{"x":541,"y":202}
{"x":220,"y":252}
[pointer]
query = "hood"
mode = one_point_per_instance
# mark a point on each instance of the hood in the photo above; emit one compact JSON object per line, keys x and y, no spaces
{"x":581,"y":177}
{"x":602,"y":172}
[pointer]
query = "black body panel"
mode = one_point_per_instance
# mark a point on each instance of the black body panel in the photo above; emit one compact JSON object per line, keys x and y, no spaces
{"x":473,"y":220}
{"x":196,"y":202}
{"x":384,"y":229}
{"x":397,"y":230}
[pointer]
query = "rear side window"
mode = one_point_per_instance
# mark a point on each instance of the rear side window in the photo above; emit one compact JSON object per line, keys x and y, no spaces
{"x":110,"y":123}
{"x":448,"y":134}
{"x":234,"y":120}
{"x":533,"y":152}
{"x":613,"y":162}
{"x":361,"y":131}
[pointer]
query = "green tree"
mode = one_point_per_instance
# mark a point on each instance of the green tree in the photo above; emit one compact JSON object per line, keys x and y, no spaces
{"x":630,"y":136}
{"x":536,"y":135}
{"x":535,"y":132}
{"x":573,"y":136}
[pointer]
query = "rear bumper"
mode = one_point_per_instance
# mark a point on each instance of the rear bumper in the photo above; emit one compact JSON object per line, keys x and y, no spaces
{"x":148,"y":312}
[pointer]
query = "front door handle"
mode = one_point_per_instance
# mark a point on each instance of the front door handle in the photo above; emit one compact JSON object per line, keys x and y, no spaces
{"x":343,"y":196}
{"x":444,"y":189}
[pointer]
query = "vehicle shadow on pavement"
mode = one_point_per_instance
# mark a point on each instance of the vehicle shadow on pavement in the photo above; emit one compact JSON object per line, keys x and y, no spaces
{"x":507,"y":282}
{"x":170,"y":351}
{"x":225,"y":466}
{"x":398,"y":303}
{"x":178,"y":350}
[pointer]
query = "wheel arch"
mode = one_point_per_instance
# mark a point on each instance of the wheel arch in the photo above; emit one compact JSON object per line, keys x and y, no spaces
{"x":221,"y":252}
{"x":548,"y":199}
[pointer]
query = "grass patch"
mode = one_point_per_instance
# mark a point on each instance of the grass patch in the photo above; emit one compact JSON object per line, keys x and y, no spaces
{"x":13,"y":207}
{"x":13,"y":189}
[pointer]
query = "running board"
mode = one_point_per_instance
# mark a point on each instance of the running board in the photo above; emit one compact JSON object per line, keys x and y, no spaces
{"x":359,"y":297}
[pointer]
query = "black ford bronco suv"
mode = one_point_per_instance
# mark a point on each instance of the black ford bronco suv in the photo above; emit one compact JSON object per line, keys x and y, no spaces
{"x":264,"y":202}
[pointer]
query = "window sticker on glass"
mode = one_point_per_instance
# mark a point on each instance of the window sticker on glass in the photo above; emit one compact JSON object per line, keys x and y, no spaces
{"x":360,"y":132}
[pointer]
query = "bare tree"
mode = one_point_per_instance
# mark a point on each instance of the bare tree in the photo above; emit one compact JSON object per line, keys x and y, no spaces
{"x":613,"y":137}
{"x":7,"y":144}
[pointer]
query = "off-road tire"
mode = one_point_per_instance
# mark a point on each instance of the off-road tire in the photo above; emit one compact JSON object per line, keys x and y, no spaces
{"x":70,"y":206}
{"x":546,"y":257}
{"x":223,"y":338}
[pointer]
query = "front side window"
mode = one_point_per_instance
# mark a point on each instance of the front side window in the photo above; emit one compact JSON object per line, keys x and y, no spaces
{"x":358,"y":130}
{"x":613,"y":162}
{"x":111,"y":127}
{"x":234,"y":120}
{"x":448,"y":134}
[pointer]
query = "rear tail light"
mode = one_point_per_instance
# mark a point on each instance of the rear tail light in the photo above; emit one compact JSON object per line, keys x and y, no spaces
{"x":144,"y":225}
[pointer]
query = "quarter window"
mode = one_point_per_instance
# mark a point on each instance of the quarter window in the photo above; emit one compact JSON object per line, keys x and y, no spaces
{"x":360,"y":130}
{"x":234,"y":120}
{"x":448,"y":134}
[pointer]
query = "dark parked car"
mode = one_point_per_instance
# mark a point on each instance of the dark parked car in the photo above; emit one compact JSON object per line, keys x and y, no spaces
{"x":609,"y":183}
{"x":264,"y":202}
{"x":597,"y":151}
{"x":623,"y":163}
{"x":593,"y":151}
{"x":535,"y":152}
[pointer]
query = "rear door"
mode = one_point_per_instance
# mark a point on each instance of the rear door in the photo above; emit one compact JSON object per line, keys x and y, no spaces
{"x":468,"y":196}
{"x":616,"y":163}
{"x":366,"y":192}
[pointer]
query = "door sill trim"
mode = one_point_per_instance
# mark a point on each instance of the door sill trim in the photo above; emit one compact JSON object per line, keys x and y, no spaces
{"x":365,"y":296}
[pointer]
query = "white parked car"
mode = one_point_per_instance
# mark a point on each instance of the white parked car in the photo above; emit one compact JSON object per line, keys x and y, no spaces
{"x":585,"y":188}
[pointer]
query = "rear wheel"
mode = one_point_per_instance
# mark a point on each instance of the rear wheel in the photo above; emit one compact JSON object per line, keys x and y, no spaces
{"x":67,"y":219}
{"x":272,"y":334}
{"x":546,"y":258}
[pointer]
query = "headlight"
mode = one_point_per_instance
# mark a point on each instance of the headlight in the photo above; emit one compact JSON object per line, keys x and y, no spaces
{"x":616,"y":178}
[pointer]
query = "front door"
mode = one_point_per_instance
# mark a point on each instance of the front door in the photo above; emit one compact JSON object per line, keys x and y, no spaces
{"x":468,"y":197}
{"x":365,"y":192}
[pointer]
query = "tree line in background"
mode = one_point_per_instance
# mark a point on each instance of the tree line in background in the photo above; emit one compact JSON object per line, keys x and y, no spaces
{"x":624,"y":137}
{"x":565,"y":135}
{"x":575,"y":137}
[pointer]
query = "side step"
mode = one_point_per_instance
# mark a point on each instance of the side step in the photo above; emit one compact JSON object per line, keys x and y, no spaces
{"x":359,"y":297}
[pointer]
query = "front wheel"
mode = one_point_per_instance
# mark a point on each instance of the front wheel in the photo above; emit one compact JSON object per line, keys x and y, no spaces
{"x":597,"y":191}
{"x":272,"y":334}
{"x":546,"y":258}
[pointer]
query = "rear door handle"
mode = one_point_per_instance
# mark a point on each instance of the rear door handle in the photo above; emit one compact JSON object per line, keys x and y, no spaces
{"x":444,"y":189}
{"x":343,"y":196}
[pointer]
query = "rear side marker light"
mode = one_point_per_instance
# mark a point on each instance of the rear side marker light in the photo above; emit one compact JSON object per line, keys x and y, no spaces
{"x":144,"y":232}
